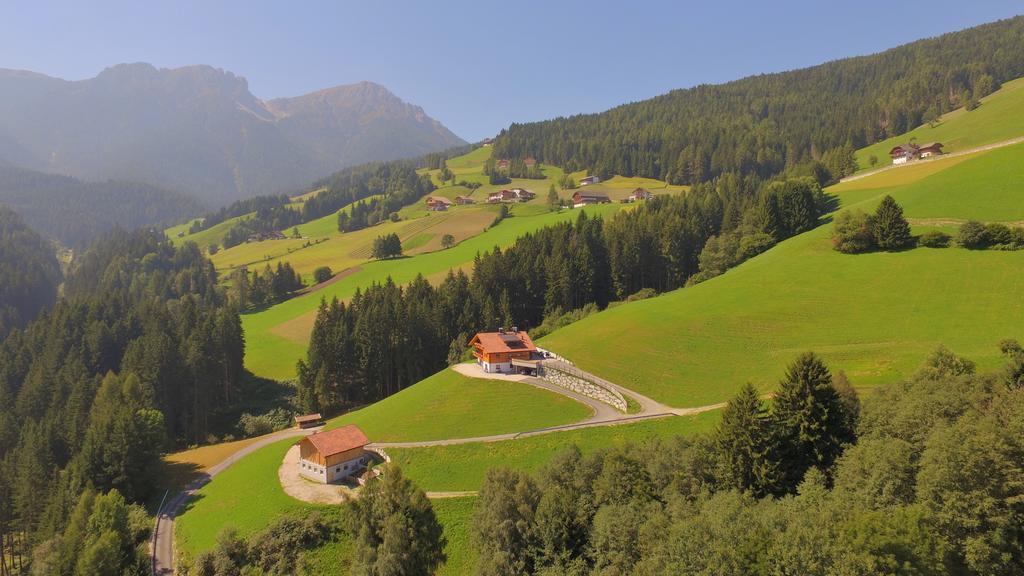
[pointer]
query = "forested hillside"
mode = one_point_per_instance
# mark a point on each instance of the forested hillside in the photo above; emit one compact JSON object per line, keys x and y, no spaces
{"x":29,"y":272}
{"x":766,"y":124}
{"x":139,"y":356}
{"x":76,"y":212}
{"x":924,"y":478}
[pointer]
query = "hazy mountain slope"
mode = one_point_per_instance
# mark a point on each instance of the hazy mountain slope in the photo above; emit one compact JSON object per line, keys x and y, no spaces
{"x":76,"y":212}
{"x":199,"y":129}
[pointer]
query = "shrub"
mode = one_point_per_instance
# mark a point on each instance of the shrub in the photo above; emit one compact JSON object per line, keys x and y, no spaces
{"x":394,"y":217}
{"x":934,"y":239}
{"x":754,"y":244}
{"x":998,"y":234}
{"x":276,"y":419}
{"x":213,"y":248}
{"x":852,"y":232}
{"x":322,"y":274}
{"x":973,"y":235}
{"x":642,"y":294}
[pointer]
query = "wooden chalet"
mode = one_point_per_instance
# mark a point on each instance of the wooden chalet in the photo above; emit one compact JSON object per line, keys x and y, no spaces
{"x":502,"y":164}
{"x":640,"y":194}
{"x":438,"y":203}
{"x":588,"y":180}
{"x":464,"y":200}
{"x":530,"y":162}
{"x":333,"y":455}
{"x":523,"y":195}
{"x":930,"y":149}
{"x":508,"y":351}
{"x":906,"y":152}
{"x":308,"y":421}
{"x":585,"y":198}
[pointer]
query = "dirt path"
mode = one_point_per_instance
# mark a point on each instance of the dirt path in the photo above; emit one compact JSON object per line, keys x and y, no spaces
{"x":336,"y":278}
{"x":984,"y":148}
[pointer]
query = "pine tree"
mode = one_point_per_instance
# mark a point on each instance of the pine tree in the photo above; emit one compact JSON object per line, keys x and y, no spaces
{"x":741,"y":441}
{"x":891,"y":229}
{"x":554,"y":203}
{"x":810,"y":422}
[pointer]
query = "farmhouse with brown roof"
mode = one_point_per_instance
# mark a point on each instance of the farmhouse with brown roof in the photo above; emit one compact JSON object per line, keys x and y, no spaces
{"x":584,"y":198}
{"x":463,"y":200}
{"x":333,"y":455}
{"x":438,"y":203}
{"x":504,"y":351}
{"x":640,"y":194}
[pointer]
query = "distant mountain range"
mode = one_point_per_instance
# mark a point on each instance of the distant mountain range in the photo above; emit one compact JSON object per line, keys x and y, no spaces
{"x":200,"y":131}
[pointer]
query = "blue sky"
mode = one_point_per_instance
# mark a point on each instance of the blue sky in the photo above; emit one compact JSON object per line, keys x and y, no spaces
{"x":476,"y":66}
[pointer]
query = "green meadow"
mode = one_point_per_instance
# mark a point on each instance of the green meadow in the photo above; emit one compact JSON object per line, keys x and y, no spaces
{"x":204,"y":238}
{"x":876,"y":316}
{"x":999,"y":117}
{"x":246,"y":496}
{"x":276,"y":337}
{"x":456,"y":515}
{"x":450,"y":405}
{"x":460,"y":467}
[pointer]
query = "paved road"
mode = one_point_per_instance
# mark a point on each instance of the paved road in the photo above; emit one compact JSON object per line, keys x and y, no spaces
{"x":992,"y":146}
{"x":162,"y":543}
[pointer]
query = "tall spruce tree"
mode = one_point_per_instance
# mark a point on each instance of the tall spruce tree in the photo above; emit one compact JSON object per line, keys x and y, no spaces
{"x":741,"y":440}
{"x":891,"y":229}
{"x":810,"y":422}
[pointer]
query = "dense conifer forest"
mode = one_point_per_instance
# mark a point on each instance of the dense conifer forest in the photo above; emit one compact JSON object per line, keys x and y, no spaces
{"x":76,"y":212}
{"x":923,"y":478}
{"x":140,"y":355}
{"x":29,"y":272}
{"x":769,"y":123}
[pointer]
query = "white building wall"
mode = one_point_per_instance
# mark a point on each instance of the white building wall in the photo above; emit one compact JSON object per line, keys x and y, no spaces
{"x":326,"y":475}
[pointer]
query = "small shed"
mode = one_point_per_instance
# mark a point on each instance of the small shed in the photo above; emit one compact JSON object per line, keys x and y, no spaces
{"x":333,"y":455}
{"x":309,"y":421}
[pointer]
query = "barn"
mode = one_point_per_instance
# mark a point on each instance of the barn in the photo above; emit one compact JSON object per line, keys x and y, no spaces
{"x":334,"y":455}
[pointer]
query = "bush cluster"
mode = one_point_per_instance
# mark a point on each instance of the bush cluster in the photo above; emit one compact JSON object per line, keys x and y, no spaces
{"x":855,"y":232}
{"x":977,"y":236}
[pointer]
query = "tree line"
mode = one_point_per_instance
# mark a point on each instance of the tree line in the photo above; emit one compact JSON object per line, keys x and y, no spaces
{"x":142,"y":353}
{"x":389,"y":337}
{"x":769,"y":123}
{"x":920,"y":478}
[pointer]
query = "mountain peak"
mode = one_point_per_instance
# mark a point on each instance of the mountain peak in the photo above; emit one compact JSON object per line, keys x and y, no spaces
{"x":199,"y":129}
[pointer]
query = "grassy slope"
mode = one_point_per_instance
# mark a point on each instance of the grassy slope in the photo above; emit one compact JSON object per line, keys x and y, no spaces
{"x":328,"y":225}
{"x":998,"y":118}
{"x":248,"y":495}
{"x":463,"y":466}
{"x":450,"y":405}
{"x":873,"y":315}
{"x":275,"y":337}
{"x":212,"y":235}
{"x":456,"y":515}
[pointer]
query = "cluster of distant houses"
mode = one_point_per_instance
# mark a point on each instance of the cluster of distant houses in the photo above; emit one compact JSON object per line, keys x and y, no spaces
{"x":906,"y":152}
{"x":511,"y":195}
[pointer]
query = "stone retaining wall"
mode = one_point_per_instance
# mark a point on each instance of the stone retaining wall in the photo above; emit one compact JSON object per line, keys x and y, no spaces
{"x":584,"y":387}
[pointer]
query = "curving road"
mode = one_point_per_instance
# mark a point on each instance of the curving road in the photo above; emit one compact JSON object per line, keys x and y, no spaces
{"x":162,"y":543}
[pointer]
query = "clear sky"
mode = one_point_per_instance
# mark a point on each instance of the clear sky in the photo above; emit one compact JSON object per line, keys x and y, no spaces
{"x":475,"y":66}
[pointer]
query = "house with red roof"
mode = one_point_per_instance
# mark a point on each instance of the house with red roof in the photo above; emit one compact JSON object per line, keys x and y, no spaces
{"x":334,"y":455}
{"x":504,"y":351}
